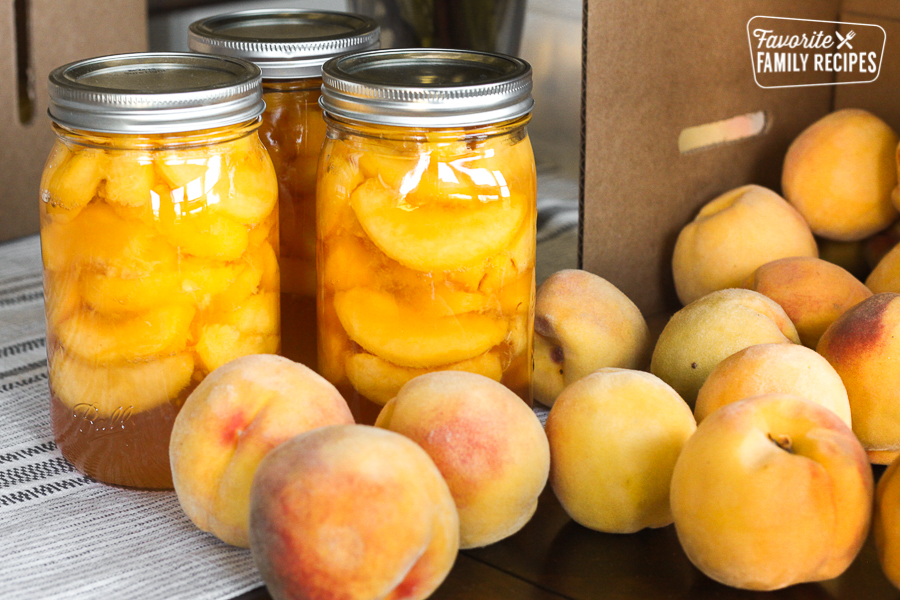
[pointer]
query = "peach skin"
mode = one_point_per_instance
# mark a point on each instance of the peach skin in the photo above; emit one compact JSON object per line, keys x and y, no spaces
{"x":705,"y":332}
{"x":885,"y":277}
{"x":772,"y":491}
{"x":769,"y":369}
{"x":582,"y":323}
{"x":734,"y":234}
{"x":487,"y":443}
{"x":840,"y":173}
{"x":240,"y":412}
{"x":614,"y":438}
{"x":863,"y":346}
{"x":811,"y":291}
{"x":351,"y":512}
{"x":886,"y":523}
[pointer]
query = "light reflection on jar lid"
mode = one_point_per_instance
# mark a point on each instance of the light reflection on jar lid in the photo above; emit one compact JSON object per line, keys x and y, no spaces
{"x":284,"y":43}
{"x":427,"y":87}
{"x":155,"y":92}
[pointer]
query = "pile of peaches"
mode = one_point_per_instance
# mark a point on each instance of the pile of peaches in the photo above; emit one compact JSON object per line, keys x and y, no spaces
{"x":751,"y":422}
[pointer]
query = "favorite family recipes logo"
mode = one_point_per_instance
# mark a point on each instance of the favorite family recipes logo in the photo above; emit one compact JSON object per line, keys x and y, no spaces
{"x":797,"y":52}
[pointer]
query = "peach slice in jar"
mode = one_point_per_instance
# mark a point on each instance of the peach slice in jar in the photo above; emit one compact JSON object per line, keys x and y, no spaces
{"x":74,"y":183}
{"x":338,"y":178}
{"x":130,"y":177}
{"x":477,"y":170}
{"x":99,"y":238}
{"x":108,"y":388}
{"x":220,"y":343}
{"x":200,"y":167}
{"x":398,"y":333}
{"x":190,"y":226}
{"x":435,"y":236}
{"x":61,"y":297}
{"x":334,"y":345}
{"x":253,"y":192}
{"x":202,"y":279}
{"x":156,"y":332}
{"x":379,"y":380}
{"x":133,"y":294}
{"x":351,"y":262}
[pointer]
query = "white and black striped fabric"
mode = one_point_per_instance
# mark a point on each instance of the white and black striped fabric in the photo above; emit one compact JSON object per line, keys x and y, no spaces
{"x":64,"y":535}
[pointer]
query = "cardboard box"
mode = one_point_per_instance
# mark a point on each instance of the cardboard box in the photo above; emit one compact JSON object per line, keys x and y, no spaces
{"x":36,"y":36}
{"x":653,"y":69}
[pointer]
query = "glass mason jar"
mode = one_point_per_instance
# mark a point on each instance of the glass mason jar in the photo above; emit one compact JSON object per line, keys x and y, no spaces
{"x":290,"y":47}
{"x":159,"y":235}
{"x":426,"y":221}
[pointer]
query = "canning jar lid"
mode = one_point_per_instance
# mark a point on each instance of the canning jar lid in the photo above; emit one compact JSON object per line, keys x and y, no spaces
{"x":429,"y":88}
{"x":155,"y":92}
{"x":284,"y":43}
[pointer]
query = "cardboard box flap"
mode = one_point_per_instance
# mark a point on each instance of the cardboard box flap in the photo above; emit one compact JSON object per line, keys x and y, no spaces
{"x":651,"y":70}
{"x":58,"y":32}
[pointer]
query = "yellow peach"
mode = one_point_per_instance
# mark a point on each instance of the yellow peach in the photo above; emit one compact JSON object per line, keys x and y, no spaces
{"x":351,"y":512}
{"x":863,"y":346}
{"x":886,"y":523}
{"x":732,"y":236}
{"x":770,"y":369}
{"x":772,"y":491}
{"x":875,"y":247}
{"x":487,"y":443}
{"x":228,"y":424}
{"x":582,"y":323}
{"x":811,"y":291}
{"x":885,"y":277}
{"x":840,"y":173}
{"x":614,"y":438}
{"x":705,"y":332}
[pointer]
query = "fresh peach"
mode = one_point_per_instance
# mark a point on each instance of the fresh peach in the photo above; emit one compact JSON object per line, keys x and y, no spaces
{"x":770,"y":369}
{"x":886,"y":522}
{"x":885,"y":277}
{"x":702,"y":334}
{"x":734,"y":234}
{"x":875,"y":247}
{"x":351,"y":512}
{"x":863,"y":346}
{"x":614,"y":438}
{"x":582,"y":323}
{"x":840,"y":173}
{"x":487,"y":443}
{"x":812,"y":292}
{"x":772,"y":491}
{"x":240,"y":412}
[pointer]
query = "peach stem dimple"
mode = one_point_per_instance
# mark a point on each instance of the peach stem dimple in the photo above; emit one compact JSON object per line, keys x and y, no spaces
{"x":783,"y":441}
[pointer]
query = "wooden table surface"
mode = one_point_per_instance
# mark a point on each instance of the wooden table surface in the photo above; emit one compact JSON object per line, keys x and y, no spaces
{"x":554,"y":558}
